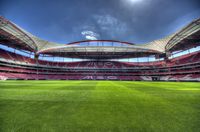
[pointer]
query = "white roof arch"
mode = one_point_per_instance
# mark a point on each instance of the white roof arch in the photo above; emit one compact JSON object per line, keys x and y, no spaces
{"x":10,"y":30}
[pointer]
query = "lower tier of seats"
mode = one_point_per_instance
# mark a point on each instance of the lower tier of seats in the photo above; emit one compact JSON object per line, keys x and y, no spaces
{"x":21,"y":76}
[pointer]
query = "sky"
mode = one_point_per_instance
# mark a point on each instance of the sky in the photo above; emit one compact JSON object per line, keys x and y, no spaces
{"x":135,"y":21}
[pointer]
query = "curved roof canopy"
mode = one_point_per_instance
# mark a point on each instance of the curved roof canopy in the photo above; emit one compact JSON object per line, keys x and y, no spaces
{"x":16,"y":37}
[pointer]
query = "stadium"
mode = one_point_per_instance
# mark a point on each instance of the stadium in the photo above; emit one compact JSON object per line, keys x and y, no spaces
{"x":27,"y":57}
{"x":99,"y":85}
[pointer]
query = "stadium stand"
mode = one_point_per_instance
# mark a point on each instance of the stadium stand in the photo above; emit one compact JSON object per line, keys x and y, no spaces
{"x":101,"y":62}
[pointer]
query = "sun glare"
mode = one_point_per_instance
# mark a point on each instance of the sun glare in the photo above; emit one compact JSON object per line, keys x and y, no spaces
{"x":135,"y":1}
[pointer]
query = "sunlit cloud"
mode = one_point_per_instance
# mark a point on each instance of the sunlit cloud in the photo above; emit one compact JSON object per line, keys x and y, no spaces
{"x":90,"y":35}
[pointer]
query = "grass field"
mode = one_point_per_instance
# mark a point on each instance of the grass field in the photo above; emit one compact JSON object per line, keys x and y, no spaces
{"x":99,"y":106}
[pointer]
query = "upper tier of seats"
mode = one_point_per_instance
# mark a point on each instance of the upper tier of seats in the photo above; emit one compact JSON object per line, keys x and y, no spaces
{"x":185,"y":59}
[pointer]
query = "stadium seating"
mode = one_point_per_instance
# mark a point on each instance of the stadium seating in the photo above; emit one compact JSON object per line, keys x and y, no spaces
{"x":183,"y":68}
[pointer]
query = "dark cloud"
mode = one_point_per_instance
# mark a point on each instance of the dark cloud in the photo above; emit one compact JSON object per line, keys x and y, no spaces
{"x":73,"y":20}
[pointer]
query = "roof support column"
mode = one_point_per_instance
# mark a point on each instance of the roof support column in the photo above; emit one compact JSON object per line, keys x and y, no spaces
{"x":36,"y":56}
{"x":168,"y":54}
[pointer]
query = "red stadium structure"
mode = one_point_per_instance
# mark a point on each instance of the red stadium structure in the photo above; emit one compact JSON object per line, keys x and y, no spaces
{"x":24,"y":56}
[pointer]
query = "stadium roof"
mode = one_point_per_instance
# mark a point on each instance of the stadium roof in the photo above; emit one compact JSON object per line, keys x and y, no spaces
{"x":16,"y":37}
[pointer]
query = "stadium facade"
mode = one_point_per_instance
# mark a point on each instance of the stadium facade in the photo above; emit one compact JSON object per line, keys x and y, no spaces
{"x":22,"y":57}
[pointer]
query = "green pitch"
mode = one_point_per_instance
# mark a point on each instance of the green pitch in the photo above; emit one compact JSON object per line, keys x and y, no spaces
{"x":99,"y":106}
